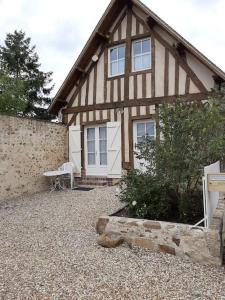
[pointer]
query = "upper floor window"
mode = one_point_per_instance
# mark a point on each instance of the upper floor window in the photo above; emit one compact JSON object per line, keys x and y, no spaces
{"x":117,"y":60}
{"x":141,"y":55}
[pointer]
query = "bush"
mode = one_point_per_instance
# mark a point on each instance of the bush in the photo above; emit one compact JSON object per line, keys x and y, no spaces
{"x":145,"y":196}
{"x":170,"y":188}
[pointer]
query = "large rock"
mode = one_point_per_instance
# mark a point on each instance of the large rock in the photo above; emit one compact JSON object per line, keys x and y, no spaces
{"x":110,"y":240}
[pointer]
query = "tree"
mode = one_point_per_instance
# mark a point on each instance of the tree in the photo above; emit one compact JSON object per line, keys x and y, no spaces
{"x":19,"y":60}
{"x":12,"y":99}
{"x":192,"y":136}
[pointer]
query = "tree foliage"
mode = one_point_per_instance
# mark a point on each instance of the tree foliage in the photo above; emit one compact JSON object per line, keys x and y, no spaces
{"x":192,"y":136}
{"x":20,"y":63}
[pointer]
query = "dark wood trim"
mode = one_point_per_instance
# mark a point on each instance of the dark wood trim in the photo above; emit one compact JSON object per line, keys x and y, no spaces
{"x":72,"y":120}
{"x":115,"y":77}
{"x":119,"y":32}
{"x":140,"y":36}
{"x":122,"y":138}
{"x":101,"y":115}
{"x":153,"y":65}
{"x":140,"y":102}
{"x":65,"y":119}
{"x":105,"y":73}
{"x":166,"y":78}
{"x":149,"y":71}
{"x":144,"y":117}
{"x":147,"y":110}
{"x":115,"y":115}
{"x":87,"y":116}
{"x":146,"y":27}
{"x":94,"y":116}
{"x":177,"y":75}
{"x":130,"y":133}
{"x":82,"y":143}
{"x":79,"y":97}
{"x":87,"y":90}
{"x":118,"y":24}
{"x":144,"y":85}
{"x":157,"y":121}
{"x":95,"y":84}
{"x":115,"y":43}
{"x":92,"y":123}
{"x":128,"y":54}
{"x":135,"y":86}
{"x":187,"y":85}
{"x":112,"y":91}
{"x":182,"y":63}
{"x":137,"y":26}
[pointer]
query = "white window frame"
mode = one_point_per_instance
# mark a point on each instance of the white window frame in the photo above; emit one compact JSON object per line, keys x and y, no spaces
{"x":142,"y":54}
{"x":121,"y":59}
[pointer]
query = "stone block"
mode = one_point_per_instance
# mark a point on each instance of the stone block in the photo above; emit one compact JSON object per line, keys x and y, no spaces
{"x":167,"y":249}
{"x":152,"y":225}
{"x":110,"y":240}
{"x":101,"y":224}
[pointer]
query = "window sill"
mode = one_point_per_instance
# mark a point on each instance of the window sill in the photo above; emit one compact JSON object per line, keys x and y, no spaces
{"x":141,"y":72}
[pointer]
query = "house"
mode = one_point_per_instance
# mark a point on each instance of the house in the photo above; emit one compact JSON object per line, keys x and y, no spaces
{"x":132,"y":62}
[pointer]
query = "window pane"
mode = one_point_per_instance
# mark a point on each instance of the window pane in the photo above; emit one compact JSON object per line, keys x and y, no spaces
{"x":103,"y":159}
{"x":114,"y":68}
{"x":146,"y":61}
{"x":137,"y":48}
{"x":121,"y":67}
{"x":150,"y":129}
{"x":140,"y":129}
{"x":137,"y":63}
{"x":91,"y":134}
{"x":121,"y":52}
{"x":140,"y":140}
{"x":146,"y":46}
{"x":113,"y":54}
{"x":102,"y":133}
{"x":103,"y":146}
{"x":91,"y":159}
{"x":91,"y":146}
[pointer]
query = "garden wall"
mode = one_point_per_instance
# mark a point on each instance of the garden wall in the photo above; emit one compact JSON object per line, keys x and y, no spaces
{"x":27,"y":149}
{"x":197,"y":244}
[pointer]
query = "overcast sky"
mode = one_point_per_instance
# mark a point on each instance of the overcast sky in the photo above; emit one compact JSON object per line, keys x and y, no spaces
{"x":59,"y":29}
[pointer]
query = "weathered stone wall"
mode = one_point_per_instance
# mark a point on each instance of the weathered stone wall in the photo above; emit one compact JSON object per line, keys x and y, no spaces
{"x":197,"y":244}
{"x":27,"y":149}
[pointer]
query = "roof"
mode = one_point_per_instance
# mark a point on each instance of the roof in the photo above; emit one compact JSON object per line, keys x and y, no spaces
{"x":97,"y":37}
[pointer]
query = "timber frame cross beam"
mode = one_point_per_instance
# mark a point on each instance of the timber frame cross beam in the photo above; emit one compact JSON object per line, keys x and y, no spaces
{"x":139,"y":102}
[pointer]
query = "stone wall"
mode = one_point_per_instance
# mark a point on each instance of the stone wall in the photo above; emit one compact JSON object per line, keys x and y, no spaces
{"x":197,"y":244}
{"x":27,"y":149}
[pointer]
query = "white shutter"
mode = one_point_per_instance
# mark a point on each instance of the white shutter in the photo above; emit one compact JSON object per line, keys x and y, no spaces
{"x":114,"y":149}
{"x":75,"y":148}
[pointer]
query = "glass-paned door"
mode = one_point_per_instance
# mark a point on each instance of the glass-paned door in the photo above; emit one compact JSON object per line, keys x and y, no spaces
{"x":141,"y":130}
{"x":96,"y":150}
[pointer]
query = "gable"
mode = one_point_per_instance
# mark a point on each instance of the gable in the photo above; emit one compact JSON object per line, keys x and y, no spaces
{"x":171,"y":74}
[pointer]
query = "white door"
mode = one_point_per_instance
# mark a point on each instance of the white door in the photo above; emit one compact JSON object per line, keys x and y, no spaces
{"x":141,"y":130}
{"x":75,"y":148}
{"x":114,"y":150}
{"x":96,"y":157}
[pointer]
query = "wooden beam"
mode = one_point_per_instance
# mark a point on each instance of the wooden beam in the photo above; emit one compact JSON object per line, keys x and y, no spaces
{"x":140,"y":102}
{"x":151,"y":22}
{"x":103,"y":36}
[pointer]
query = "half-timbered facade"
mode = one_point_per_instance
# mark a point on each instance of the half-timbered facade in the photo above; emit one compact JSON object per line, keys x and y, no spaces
{"x":132,"y":62}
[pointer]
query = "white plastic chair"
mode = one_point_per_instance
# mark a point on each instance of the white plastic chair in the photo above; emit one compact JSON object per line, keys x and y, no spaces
{"x":68,"y":168}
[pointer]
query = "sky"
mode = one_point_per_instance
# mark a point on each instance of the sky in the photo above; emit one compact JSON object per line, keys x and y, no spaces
{"x":60,"y":29}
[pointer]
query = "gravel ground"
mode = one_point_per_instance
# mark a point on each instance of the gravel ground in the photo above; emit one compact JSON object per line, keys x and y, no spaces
{"x":48,"y":250}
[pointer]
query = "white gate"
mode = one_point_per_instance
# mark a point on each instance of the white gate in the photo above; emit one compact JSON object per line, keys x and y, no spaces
{"x":210,"y":198}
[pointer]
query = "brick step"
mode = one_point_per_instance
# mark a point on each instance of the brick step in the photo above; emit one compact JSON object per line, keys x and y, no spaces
{"x":96,"y":181}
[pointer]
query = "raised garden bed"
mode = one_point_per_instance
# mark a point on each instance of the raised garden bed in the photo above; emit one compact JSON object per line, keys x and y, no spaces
{"x":193,"y":243}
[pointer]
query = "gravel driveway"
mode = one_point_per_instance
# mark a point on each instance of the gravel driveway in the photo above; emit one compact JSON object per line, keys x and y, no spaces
{"x":48,"y":250}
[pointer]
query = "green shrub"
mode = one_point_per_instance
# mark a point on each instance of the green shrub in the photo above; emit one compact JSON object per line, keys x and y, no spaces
{"x":145,"y":196}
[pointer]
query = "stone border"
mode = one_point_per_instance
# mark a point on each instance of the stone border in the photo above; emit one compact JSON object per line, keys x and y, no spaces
{"x":196,"y":244}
